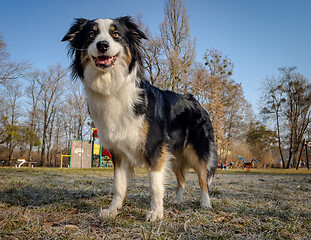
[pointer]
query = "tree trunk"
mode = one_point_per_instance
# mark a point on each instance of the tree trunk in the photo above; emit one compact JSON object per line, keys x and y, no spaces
{"x":43,"y":158}
{"x":289,"y":157}
{"x":30,"y":150}
{"x":279,"y":138}
{"x":11,"y":149}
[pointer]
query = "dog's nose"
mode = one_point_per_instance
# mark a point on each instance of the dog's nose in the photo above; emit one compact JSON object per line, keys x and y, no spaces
{"x":102,"y":46}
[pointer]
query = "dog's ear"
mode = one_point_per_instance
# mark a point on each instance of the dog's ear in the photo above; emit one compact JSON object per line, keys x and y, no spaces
{"x":133,"y":27}
{"x":75,"y":29}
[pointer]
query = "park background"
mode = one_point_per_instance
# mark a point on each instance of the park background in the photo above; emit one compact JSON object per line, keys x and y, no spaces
{"x":247,"y":62}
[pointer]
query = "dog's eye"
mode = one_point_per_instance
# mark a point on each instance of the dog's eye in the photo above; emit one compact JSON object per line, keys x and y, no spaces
{"x":115,"y":34}
{"x":92,"y":35}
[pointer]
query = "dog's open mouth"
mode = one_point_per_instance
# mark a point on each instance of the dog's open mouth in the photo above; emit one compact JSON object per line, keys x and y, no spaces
{"x":105,"y":61}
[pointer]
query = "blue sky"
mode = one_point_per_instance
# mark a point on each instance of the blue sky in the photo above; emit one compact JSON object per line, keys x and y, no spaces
{"x":258,"y":35}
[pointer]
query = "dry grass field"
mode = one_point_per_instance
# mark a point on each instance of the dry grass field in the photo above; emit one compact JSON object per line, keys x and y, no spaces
{"x":64,"y":204}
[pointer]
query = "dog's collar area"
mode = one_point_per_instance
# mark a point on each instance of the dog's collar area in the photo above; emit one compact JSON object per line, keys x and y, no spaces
{"x":105,"y":61}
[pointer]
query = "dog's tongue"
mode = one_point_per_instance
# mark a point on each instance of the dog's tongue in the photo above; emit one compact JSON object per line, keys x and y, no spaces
{"x":104,"y":59}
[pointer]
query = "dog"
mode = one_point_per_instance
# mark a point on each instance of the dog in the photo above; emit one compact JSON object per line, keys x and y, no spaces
{"x":139,"y":123}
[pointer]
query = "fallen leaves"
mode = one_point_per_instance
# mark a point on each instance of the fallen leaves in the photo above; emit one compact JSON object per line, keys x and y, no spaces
{"x":72,"y":227}
{"x":186,"y":225}
{"x":221,"y":219}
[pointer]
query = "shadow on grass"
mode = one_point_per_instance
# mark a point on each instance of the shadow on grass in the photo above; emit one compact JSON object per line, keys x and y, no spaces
{"x":34,"y":196}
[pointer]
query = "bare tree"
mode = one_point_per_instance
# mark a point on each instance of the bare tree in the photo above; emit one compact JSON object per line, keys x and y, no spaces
{"x":298,"y":91}
{"x":153,"y":53}
{"x":77,"y":108}
{"x":287,"y":101}
{"x":11,"y":131}
{"x":179,"y":49}
{"x":273,"y":100}
{"x":238,"y":111}
{"x":10,"y":71}
{"x":3,"y":53}
{"x":58,"y":137}
{"x":53,"y":114}
{"x":33,"y":92}
{"x":51,"y":87}
{"x":70,"y":121}
{"x":10,"y":112}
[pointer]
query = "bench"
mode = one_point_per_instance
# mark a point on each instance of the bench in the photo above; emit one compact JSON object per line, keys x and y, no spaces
{"x":20,"y":162}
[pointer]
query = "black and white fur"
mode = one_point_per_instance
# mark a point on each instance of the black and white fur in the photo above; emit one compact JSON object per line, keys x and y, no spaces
{"x":139,"y":123}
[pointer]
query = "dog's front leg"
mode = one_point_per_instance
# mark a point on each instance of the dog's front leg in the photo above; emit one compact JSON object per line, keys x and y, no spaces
{"x":122,"y":172}
{"x":156,"y":179}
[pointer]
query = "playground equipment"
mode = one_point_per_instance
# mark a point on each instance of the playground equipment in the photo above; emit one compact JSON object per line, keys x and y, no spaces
{"x":87,"y":154}
{"x":61,"y":160}
{"x":225,"y":165}
{"x":248,"y":165}
{"x":81,"y":154}
{"x":99,"y":152}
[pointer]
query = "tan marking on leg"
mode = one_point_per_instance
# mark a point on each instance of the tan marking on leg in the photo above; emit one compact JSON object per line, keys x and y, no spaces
{"x":179,"y":171}
{"x":191,"y":156}
{"x":161,"y":160}
{"x":202,"y":180}
{"x":157,"y":178}
{"x":199,"y":167}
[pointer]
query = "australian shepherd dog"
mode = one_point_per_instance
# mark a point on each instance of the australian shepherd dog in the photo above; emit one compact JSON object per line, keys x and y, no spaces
{"x":140,"y":124}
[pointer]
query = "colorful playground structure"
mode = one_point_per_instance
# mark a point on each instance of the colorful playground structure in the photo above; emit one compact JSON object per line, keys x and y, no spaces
{"x":248,"y":165}
{"x":224,"y":165}
{"x":87,"y":153}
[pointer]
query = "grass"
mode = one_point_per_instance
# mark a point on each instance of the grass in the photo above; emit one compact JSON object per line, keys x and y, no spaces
{"x":42,"y":203}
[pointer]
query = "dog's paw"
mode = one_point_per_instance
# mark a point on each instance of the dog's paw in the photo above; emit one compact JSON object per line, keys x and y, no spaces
{"x":206,"y":204}
{"x":205,"y":200}
{"x":154,"y":215}
{"x":106,"y":213}
{"x":178,"y":200}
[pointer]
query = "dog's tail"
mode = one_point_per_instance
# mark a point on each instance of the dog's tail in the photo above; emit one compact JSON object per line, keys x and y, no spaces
{"x":211,"y":164}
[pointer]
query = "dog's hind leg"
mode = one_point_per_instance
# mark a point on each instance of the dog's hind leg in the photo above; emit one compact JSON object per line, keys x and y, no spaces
{"x":203,"y":181}
{"x":122,"y":174}
{"x":200,"y":166}
{"x":180,"y":177}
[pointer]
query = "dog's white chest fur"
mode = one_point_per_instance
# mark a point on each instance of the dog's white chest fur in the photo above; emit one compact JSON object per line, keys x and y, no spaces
{"x":119,"y":129}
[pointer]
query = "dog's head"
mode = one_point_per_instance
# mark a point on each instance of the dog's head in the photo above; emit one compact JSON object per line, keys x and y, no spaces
{"x":104,"y":43}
